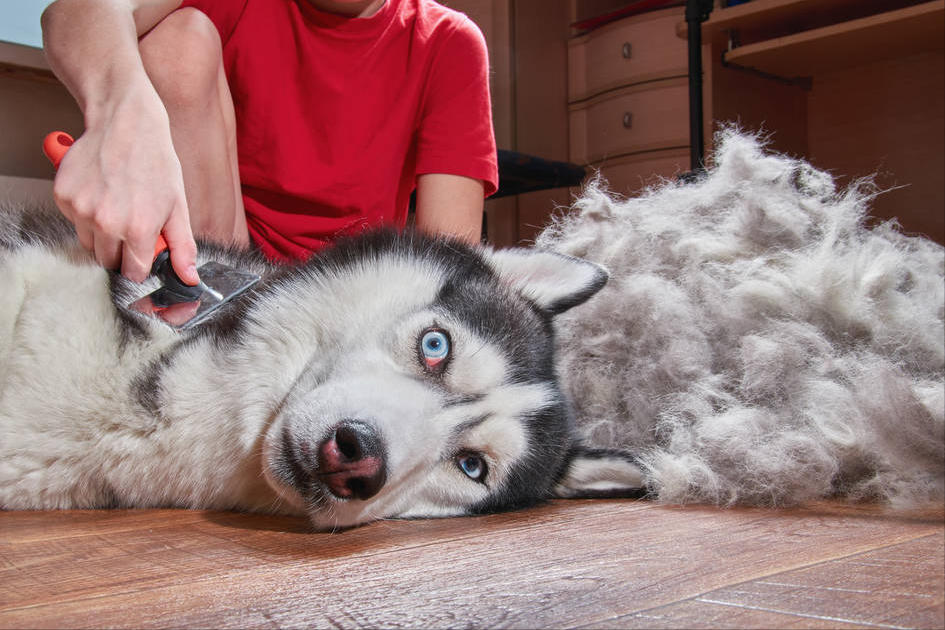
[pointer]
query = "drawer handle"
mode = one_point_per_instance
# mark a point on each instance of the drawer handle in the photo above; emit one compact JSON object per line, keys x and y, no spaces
{"x":626,"y":50}
{"x":627,"y":120}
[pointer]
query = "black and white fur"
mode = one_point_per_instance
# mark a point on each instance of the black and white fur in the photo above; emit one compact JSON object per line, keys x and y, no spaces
{"x":312,"y":394}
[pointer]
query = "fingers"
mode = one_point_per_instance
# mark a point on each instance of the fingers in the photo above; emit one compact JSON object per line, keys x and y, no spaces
{"x":135,"y":260}
{"x":102,"y":231}
{"x":85,"y":236}
{"x":108,"y":251}
{"x":180,"y":241}
{"x":119,"y":209}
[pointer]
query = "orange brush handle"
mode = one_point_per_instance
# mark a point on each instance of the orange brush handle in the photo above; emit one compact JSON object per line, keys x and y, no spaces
{"x":55,"y":146}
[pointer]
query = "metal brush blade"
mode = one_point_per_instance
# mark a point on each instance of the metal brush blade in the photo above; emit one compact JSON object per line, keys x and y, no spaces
{"x":219,"y":285}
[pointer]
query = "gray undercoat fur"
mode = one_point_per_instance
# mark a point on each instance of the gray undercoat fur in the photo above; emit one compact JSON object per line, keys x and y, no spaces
{"x":757,"y":343}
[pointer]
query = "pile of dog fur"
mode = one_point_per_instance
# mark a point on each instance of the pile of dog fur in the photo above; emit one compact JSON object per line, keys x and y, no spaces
{"x":757,"y":343}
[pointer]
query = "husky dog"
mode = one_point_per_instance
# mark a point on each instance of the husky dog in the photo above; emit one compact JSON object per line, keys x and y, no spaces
{"x":395,"y":375}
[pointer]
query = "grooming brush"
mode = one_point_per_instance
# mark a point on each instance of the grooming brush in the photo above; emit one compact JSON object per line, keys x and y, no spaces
{"x":177,"y":304}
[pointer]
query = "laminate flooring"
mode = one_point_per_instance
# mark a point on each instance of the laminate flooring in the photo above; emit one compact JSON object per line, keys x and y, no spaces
{"x":567,"y":564}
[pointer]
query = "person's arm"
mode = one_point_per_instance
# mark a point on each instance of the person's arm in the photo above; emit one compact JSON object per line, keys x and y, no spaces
{"x":456,"y":152}
{"x":450,"y":205}
{"x":121,"y":182}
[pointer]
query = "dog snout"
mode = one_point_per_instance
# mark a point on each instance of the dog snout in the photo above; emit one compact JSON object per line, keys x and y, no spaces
{"x":351,"y":461}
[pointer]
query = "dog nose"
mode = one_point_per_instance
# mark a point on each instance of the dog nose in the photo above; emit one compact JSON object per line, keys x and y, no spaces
{"x":351,"y":461}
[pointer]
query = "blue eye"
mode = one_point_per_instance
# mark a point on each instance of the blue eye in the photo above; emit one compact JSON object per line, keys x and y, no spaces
{"x":434,"y":347}
{"x":473,"y":466}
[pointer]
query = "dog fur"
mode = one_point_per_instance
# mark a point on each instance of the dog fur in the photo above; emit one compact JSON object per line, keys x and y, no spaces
{"x":757,"y":342}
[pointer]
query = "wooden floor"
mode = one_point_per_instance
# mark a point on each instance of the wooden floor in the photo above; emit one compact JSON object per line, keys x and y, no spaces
{"x":600,"y":564}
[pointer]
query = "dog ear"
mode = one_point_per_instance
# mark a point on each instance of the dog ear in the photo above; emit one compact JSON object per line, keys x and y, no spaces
{"x":555,"y":282}
{"x":595,"y":473}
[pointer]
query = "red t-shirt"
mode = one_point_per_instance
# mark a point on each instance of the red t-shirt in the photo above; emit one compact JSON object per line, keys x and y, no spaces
{"x":336,"y":117}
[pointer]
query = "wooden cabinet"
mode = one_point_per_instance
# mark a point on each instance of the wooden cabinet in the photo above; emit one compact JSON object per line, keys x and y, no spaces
{"x":628,"y":100}
{"x":628,"y":52}
{"x":856,"y":87}
{"x":636,"y":119}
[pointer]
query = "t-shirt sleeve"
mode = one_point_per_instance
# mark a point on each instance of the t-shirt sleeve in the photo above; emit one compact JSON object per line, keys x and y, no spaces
{"x":456,"y":134}
{"x":223,"y":13}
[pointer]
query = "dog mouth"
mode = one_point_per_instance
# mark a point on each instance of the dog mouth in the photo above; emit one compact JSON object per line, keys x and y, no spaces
{"x":300,"y":477}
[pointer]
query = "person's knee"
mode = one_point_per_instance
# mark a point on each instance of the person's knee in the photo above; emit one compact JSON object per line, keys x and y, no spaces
{"x":182,"y":56}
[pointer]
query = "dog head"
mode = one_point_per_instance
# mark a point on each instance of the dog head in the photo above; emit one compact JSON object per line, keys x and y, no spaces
{"x":432,"y":389}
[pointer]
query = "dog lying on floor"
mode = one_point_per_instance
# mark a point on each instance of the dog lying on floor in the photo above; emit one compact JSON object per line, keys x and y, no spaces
{"x":756,"y":344}
{"x":393,"y":376}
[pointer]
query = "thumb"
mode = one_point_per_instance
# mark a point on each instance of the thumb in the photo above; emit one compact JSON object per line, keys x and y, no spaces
{"x":183,"y":249}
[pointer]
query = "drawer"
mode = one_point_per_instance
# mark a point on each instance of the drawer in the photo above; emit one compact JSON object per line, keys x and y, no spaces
{"x":633,"y":50}
{"x":632,"y":174}
{"x":642,"y":118}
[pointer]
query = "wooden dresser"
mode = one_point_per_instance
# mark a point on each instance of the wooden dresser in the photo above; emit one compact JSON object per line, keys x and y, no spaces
{"x":628,"y":100}
{"x":853,"y":86}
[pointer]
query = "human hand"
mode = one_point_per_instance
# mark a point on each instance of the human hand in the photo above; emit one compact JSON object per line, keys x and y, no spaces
{"x":121,"y":185}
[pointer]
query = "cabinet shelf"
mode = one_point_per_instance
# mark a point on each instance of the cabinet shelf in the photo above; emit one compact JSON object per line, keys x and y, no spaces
{"x":871,"y":104}
{"x":786,"y":15}
{"x":902,"y":32}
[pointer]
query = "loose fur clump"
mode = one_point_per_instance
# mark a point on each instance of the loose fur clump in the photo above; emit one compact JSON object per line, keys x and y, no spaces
{"x":757,"y":342}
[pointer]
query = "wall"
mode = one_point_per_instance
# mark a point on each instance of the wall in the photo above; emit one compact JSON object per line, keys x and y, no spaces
{"x":32,"y":103}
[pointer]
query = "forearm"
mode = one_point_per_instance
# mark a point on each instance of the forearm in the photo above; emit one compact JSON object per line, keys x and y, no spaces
{"x":450,"y":205}
{"x":121,"y":183}
{"x":92,"y":46}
